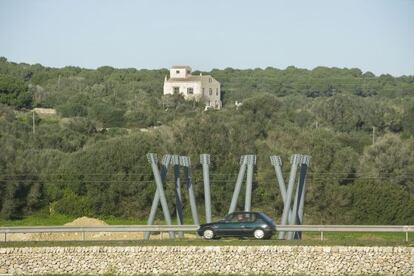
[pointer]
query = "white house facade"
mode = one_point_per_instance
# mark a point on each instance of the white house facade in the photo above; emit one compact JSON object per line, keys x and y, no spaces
{"x":201,"y":88}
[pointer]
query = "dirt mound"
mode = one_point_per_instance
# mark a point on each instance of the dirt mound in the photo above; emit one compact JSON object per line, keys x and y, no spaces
{"x":85,"y":221}
{"x":74,"y":236}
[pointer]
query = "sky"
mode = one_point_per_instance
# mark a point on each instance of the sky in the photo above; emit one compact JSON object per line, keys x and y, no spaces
{"x":373,"y":35}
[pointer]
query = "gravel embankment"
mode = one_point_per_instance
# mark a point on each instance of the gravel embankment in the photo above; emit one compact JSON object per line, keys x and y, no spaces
{"x":221,"y":259}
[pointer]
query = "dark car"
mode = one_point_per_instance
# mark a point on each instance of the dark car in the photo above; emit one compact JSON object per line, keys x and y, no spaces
{"x":240,"y":224}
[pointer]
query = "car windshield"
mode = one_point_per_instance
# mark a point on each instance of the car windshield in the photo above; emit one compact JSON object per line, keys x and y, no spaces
{"x":266,"y":218}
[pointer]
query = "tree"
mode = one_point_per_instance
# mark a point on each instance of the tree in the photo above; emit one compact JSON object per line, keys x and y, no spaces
{"x":380,"y":202}
{"x":107,"y":115}
{"x":72,"y":110}
{"x":390,"y":159}
{"x":14,"y":92}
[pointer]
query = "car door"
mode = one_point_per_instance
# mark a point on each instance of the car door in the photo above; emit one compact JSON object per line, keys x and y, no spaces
{"x":249,"y":224}
{"x":240,"y":224}
{"x":231,"y":226}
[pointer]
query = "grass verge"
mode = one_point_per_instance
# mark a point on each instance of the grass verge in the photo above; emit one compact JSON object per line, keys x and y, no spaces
{"x":309,"y":238}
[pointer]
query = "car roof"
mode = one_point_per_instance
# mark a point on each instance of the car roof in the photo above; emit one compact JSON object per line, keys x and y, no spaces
{"x":246,"y":212}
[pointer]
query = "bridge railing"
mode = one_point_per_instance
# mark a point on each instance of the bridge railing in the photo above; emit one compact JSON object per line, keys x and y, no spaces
{"x":192,"y":228}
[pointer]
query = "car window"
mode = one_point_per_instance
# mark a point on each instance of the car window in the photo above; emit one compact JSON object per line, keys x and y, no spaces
{"x":230,"y":217}
{"x":237,"y":218}
{"x":242,"y":218}
{"x":250,"y":217}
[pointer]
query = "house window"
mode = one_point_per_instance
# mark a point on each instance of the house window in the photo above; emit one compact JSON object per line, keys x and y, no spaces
{"x":203,"y":91}
{"x":216,"y":91}
{"x":190,"y":90}
{"x":177,"y":71}
{"x":209,"y":80}
{"x":176,"y":89}
{"x":210,"y":91}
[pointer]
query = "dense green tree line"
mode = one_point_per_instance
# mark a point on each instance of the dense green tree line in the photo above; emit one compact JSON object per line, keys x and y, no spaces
{"x":90,"y":159}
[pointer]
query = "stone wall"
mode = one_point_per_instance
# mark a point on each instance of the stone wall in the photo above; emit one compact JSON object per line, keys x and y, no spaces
{"x":201,"y":259}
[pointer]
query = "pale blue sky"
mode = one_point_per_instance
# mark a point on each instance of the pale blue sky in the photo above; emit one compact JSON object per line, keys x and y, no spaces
{"x":374,"y":35}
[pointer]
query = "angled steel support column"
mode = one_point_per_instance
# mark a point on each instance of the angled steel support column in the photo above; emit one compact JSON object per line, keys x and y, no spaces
{"x":277,"y":164}
{"x":243,"y":164}
{"x":175,"y":161}
{"x":296,"y":217}
{"x":251,"y":161}
{"x":152,"y":158}
{"x":185,"y":161}
{"x":164,"y":168}
{"x":293,"y":215}
{"x":303,"y":171}
{"x":295,"y":159}
{"x":205,"y":162}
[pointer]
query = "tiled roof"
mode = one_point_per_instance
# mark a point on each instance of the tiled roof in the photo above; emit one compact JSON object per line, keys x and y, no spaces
{"x":180,"y":66}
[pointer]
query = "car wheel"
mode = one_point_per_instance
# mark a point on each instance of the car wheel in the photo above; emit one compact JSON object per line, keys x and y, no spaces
{"x":208,"y":234}
{"x":259,"y":234}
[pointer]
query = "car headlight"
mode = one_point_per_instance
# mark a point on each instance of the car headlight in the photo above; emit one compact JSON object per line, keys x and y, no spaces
{"x":265,"y":226}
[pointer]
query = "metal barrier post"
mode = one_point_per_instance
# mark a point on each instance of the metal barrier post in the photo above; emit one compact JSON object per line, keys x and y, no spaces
{"x":296,"y":216}
{"x":175,"y":161}
{"x":205,"y":161}
{"x":276,"y":161}
{"x":243,"y":164}
{"x":305,"y":165}
{"x":295,"y":159}
{"x":251,"y":161}
{"x":185,"y":161}
{"x":292,"y":218}
{"x":152,"y":158}
{"x":164,"y":168}
{"x":277,"y":164}
{"x":321,"y":236}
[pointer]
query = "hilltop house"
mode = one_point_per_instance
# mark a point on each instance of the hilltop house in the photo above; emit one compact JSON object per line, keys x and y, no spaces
{"x":201,"y":88}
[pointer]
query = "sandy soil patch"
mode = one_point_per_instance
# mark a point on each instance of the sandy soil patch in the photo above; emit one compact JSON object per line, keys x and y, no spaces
{"x":86,"y":221}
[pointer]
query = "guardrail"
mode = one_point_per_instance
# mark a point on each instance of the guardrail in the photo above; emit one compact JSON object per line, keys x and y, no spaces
{"x":349,"y":228}
{"x":106,"y":228}
{"x":192,"y":228}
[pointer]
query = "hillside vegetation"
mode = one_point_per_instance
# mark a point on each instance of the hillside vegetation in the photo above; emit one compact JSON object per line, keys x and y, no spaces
{"x":89,"y":160}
